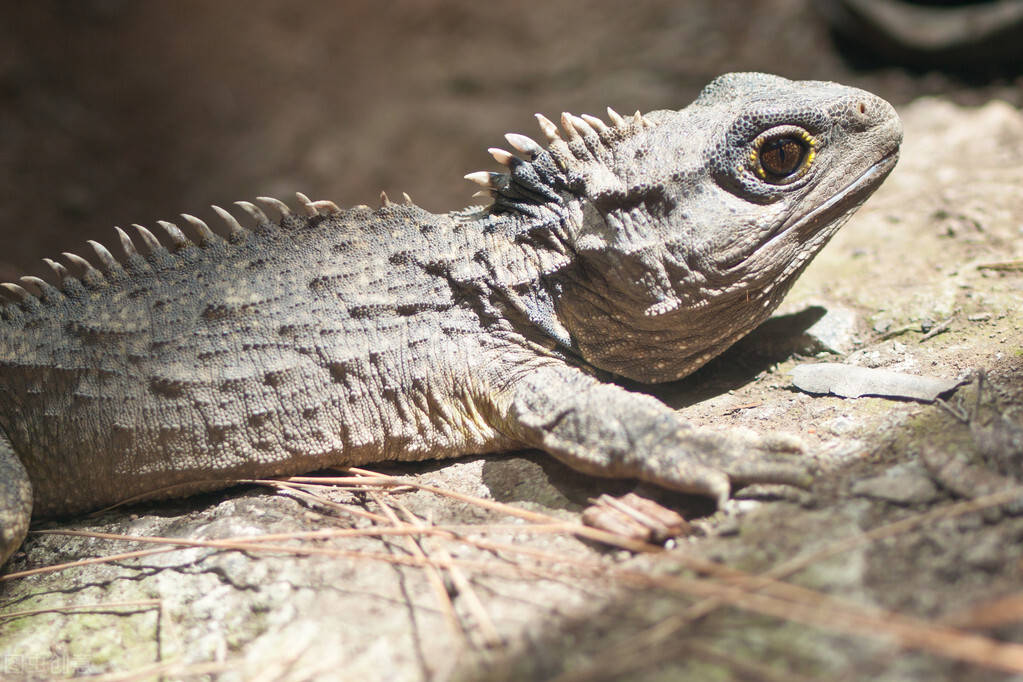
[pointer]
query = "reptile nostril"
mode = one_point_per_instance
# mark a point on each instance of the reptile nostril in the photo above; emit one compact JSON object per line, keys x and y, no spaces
{"x":861,"y":113}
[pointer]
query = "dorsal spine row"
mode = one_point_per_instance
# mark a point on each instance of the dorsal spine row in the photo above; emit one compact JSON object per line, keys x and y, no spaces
{"x":585,"y":139}
{"x":29,"y":292}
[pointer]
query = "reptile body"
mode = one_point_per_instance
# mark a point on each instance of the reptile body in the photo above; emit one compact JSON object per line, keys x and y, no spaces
{"x":639,"y":247}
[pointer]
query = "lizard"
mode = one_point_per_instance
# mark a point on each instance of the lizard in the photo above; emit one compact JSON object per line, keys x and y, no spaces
{"x":638,"y":247}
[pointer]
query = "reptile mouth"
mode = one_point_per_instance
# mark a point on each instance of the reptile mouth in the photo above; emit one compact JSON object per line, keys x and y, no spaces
{"x":841,"y":204}
{"x":850,"y":196}
{"x":811,"y":226}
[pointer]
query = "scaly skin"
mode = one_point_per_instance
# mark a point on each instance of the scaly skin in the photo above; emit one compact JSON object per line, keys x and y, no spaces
{"x":641,"y":248}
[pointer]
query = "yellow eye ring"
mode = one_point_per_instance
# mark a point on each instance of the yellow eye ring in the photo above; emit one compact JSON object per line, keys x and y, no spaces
{"x":783,"y":156}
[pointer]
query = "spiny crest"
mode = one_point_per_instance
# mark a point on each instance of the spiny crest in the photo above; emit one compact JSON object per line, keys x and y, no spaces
{"x":586,"y":138}
{"x":385,"y":201}
{"x":107,"y":268}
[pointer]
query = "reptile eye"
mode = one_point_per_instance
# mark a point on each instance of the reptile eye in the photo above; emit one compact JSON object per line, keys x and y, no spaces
{"x":782,"y":156}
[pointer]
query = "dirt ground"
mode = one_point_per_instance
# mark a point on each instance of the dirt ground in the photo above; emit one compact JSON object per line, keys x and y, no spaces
{"x":902,"y":562}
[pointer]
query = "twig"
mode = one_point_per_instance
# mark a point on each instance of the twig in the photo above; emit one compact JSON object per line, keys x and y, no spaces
{"x":174,"y":669}
{"x":102,"y":606}
{"x":536,"y":517}
{"x":432,"y":573}
{"x":1005,"y":265}
{"x":899,"y":331}
{"x":995,"y":613}
{"x":322,"y":534}
{"x":83,"y":562}
{"x":300,"y":490}
{"x":491,"y":637}
{"x":940,"y":328}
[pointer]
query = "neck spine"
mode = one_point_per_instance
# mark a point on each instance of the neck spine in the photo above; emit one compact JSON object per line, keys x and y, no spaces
{"x":536,"y":216}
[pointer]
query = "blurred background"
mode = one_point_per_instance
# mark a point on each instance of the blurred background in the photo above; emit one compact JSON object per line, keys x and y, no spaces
{"x":114,"y":112}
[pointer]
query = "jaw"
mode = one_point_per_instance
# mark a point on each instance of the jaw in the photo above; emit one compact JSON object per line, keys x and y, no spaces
{"x":653,"y":345}
{"x":786,"y":253}
{"x":826,"y":218}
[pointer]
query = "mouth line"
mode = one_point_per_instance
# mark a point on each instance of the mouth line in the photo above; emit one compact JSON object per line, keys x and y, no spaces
{"x":862,"y":186}
{"x":837,"y":205}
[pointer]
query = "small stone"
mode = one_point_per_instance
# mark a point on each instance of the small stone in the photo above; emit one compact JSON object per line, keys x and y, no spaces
{"x":842,"y":426}
{"x":835,"y":332}
{"x":851,"y":381}
{"x":905,"y":485}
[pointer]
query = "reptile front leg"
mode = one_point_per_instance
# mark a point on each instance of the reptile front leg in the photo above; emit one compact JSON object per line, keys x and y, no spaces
{"x":605,"y":430}
{"x":15,"y":500}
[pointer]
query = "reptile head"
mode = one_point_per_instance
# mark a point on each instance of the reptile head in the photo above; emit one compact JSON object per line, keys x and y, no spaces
{"x":687,"y":227}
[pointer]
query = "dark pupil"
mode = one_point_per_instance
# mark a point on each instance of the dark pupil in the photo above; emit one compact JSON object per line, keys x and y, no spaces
{"x":782,"y":156}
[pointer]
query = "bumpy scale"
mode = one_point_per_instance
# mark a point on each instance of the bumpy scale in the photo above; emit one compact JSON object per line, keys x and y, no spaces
{"x":639,"y":247}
